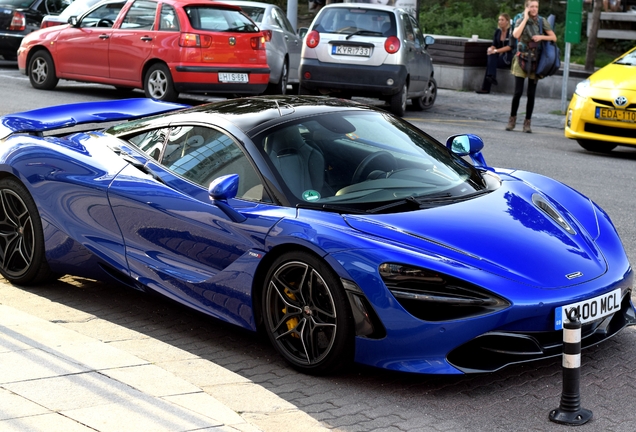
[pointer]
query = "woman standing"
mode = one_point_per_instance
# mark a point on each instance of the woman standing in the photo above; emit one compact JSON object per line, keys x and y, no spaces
{"x":528,"y":34}
{"x":499,"y":53}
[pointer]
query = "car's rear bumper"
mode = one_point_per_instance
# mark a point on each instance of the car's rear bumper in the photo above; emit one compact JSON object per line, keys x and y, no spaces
{"x":581,"y":123}
{"x":9,"y":44}
{"x":205,"y":79}
{"x":354,"y":80}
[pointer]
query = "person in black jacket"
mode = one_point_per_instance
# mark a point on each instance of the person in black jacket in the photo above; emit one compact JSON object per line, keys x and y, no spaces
{"x":499,"y":53}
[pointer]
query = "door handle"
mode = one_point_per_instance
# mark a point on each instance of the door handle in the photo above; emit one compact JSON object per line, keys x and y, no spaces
{"x":104,"y":36}
{"x":146,"y":38}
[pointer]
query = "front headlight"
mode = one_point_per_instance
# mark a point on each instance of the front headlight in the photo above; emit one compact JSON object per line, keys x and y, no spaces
{"x":432,"y":296}
{"x":583,"y":88}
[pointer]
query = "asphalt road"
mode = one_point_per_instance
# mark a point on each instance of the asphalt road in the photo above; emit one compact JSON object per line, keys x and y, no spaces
{"x":517,"y":398}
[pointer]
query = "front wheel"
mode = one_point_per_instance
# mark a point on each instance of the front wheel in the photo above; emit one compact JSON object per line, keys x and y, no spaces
{"x":158,"y":84}
{"x":596,"y":146}
{"x":41,"y":71}
{"x":398,"y":102}
{"x":426,"y":102}
{"x":307,"y":315}
{"x":22,"y":259}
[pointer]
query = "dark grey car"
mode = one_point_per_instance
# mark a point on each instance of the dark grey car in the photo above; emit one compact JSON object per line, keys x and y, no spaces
{"x":368,"y":50}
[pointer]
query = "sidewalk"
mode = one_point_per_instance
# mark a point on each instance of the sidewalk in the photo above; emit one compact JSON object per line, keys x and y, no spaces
{"x":56,"y":379}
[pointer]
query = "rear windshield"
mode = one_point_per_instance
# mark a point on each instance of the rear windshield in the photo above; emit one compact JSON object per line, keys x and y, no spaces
{"x":220,"y":20}
{"x":355,"y":20}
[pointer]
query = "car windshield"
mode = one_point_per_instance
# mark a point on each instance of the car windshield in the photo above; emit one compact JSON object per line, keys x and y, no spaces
{"x":628,"y":59}
{"x":365,"y":160}
{"x":355,"y":20}
{"x":221,"y":20}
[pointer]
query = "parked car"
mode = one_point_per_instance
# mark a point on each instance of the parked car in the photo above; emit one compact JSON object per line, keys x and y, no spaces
{"x":283,"y":44}
{"x":368,"y":50}
{"x":18,"y":18}
{"x":343,"y":232}
{"x":164,"y":48}
{"x":602,"y":112}
{"x":77,"y":9}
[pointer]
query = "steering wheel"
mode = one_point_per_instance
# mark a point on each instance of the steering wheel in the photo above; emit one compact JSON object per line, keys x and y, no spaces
{"x":105,"y":22}
{"x":388,"y":165}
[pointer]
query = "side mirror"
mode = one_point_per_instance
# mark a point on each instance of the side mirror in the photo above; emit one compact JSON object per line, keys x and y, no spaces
{"x":73,"y":21}
{"x":467,"y":145}
{"x":222,"y":189}
{"x":302,"y":32}
{"x":429,"y":40}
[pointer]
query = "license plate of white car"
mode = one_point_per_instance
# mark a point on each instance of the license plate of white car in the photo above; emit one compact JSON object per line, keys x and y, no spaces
{"x":351,"y":50}
{"x":616,"y":115}
{"x":591,"y":309}
{"x":233,"y":77}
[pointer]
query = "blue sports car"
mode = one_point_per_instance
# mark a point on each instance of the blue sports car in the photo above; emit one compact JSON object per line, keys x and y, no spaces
{"x":345,"y":233}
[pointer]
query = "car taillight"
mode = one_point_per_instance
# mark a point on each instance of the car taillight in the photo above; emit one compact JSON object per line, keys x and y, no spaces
{"x":18,"y":22}
{"x":193,"y":40}
{"x":313,"y":39}
{"x":268,"y":35}
{"x":392,"y":44}
{"x":258,"y":43}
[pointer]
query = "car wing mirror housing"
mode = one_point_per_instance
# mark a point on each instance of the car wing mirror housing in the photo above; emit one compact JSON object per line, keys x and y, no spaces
{"x":73,"y":21}
{"x":223,"y":189}
{"x":429,"y":40}
{"x":302,"y":32}
{"x":467,"y":145}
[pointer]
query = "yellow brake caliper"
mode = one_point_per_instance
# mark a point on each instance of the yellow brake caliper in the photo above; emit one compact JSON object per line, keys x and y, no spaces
{"x":292,"y":322}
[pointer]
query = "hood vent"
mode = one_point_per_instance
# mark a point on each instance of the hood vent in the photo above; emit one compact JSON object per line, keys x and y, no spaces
{"x":546,"y":208}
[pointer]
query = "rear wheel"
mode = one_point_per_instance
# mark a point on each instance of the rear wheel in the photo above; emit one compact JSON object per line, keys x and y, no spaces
{"x":158,"y":83}
{"x":596,"y":146}
{"x":398,"y":102}
{"x":41,"y":71}
{"x":280,"y":88}
{"x":307,"y":315}
{"x":22,"y":259}
{"x":426,"y":102}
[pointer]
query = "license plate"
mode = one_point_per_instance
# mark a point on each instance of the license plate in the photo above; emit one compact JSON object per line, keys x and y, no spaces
{"x":351,"y":50}
{"x":233,"y":77}
{"x":615,"y":115}
{"x":591,"y":309}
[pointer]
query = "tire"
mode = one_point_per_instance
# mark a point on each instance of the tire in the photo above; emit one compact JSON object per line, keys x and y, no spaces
{"x":22,"y":258}
{"x":279,"y":88}
{"x":158,"y":84}
{"x":41,"y":71}
{"x":398,"y":102}
{"x":596,"y":146}
{"x":426,"y":102}
{"x":306,"y":314}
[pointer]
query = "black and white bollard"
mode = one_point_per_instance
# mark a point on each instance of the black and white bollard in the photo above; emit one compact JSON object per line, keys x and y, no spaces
{"x":569,"y":411}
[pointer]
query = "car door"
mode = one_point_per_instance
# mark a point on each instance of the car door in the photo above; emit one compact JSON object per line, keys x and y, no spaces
{"x":82,"y":51}
{"x":177,"y":240}
{"x":132,"y":42}
{"x":291,"y":40}
{"x":413,"y":54}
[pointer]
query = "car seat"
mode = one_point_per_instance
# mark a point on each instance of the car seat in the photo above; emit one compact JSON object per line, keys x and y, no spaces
{"x":301,"y":166}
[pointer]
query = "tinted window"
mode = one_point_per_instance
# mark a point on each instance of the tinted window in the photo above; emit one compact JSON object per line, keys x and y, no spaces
{"x":214,"y":19}
{"x":140,"y":16}
{"x":343,"y":20}
{"x":168,"y":20}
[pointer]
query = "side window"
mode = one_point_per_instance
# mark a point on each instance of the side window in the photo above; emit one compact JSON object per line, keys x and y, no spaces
{"x":151,"y":142}
{"x":103,"y":16}
{"x":409,"y":34}
{"x":202,"y":154}
{"x":282,"y":20}
{"x":168,"y":20}
{"x":419,"y":37}
{"x":140,"y":16}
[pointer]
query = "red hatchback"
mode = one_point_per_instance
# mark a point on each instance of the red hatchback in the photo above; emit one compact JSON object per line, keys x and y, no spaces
{"x":163,"y":47}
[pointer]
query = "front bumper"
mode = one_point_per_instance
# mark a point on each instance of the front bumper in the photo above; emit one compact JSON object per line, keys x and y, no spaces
{"x":355,"y":80}
{"x":581,"y":123}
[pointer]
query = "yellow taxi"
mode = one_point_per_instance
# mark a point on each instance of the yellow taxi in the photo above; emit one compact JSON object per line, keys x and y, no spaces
{"x":602,"y":112}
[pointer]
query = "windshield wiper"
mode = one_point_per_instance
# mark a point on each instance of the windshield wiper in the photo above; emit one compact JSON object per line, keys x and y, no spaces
{"x":447,"y":198}
{"x":331,"y":207}
{"x":142,"y":167}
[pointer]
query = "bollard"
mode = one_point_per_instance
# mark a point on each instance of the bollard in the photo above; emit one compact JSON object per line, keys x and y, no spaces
{"x":569,"y":411}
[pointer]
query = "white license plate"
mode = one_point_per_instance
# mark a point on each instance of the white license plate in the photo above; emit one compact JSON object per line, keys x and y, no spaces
{"x":351,"y":50}
{"x":591,"y":309}
{"x":233,"y":77}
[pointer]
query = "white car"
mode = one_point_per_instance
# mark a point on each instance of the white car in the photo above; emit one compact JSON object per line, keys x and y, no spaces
{"x":283,"y":44}
{"x":77,"y":8}
{"x":368,"y":50}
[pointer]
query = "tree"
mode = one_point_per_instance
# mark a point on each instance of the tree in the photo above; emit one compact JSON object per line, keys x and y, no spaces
{"x":590,"y":56}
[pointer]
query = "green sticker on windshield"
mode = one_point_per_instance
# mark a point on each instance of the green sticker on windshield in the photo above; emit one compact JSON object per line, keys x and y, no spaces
{"x":311,"y":195}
